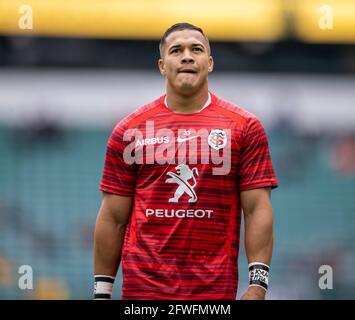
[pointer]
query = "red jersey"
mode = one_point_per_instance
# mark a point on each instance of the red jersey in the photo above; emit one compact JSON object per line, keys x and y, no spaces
{"x":185,"y":173}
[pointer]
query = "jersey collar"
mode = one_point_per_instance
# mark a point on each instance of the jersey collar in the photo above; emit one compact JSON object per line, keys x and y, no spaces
{"x":207,"y":103}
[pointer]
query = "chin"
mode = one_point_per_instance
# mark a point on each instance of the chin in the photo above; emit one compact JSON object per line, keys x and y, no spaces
{"x":187,"y":85}
{"x":187,"y":89}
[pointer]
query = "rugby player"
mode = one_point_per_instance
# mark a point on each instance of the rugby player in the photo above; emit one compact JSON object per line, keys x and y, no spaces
{"x":179,"y":172}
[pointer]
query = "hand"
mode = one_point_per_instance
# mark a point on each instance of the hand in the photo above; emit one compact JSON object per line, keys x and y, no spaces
{"x":254,"y":293}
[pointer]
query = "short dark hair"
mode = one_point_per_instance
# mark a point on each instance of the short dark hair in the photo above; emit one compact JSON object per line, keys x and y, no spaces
{"x":179,"y":27}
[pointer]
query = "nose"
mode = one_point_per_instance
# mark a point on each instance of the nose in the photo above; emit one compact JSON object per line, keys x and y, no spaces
{"x":187,"y":57}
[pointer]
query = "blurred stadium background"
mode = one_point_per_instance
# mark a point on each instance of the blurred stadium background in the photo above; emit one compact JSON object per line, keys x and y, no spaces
{"x":84,"y":64}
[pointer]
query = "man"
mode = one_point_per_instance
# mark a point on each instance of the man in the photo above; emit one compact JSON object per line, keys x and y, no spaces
{"x":177,"y":173}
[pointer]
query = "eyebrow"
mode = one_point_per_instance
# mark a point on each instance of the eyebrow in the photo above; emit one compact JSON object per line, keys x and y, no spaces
{"x":176,"y":46}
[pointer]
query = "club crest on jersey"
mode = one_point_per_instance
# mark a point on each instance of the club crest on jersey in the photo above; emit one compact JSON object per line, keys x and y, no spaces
{"x":217,"y":139}
{"x":182,"y":177}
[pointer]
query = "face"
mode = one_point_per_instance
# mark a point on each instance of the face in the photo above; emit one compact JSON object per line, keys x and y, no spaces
{"x":186,"y":61}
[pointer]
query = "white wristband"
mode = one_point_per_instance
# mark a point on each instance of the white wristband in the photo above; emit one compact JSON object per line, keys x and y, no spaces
{"x":103,"y":287}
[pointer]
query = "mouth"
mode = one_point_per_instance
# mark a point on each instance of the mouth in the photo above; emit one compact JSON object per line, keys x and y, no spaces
{"x":191,"y":71}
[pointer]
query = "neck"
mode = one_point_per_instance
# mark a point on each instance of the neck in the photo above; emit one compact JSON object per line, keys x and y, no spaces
{"x":186,"y":103}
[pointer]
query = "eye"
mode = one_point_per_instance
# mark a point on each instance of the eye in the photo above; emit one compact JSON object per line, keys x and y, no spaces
{"x":198,"y":49}
{"x":174,"y":50}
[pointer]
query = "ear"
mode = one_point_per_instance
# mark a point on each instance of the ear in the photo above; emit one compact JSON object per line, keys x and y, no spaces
{"x":210,"y":64}
{"x":161,"y":66}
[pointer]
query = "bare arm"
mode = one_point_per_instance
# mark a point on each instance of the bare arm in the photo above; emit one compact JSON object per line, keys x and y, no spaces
{"x":258,"y":217}
{"x":110,"y":227}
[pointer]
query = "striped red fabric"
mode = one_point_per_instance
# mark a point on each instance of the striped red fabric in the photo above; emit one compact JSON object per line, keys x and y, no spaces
{"x":182,"y":240}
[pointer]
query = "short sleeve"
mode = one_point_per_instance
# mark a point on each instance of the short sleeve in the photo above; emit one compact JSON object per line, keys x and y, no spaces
{"x":118,"y":176}
{"x":255,"y":165}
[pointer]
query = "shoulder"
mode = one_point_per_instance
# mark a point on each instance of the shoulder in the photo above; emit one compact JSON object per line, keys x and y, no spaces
{"x":236,"y":113}
{"x":141,"y":114}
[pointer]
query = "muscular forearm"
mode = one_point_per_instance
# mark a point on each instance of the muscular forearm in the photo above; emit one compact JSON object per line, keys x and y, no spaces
{"x":259,"y":235}
{"x":258,"y":218}
{"x":108,"y":244}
